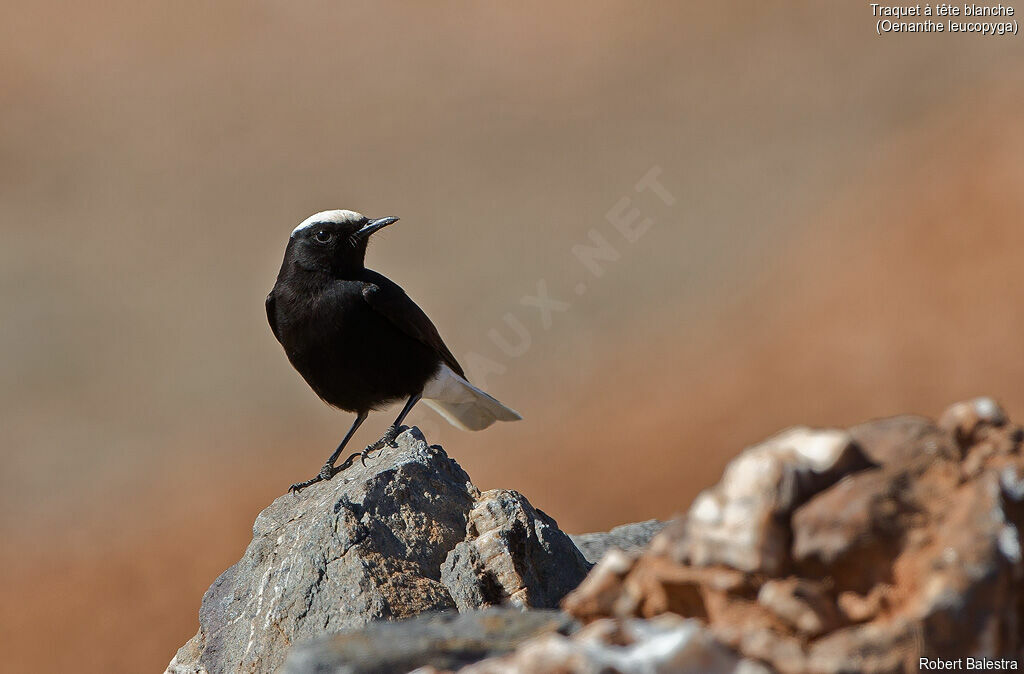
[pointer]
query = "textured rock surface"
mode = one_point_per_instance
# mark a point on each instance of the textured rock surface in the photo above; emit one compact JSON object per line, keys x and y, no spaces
{"x":370,"y":544}
{"x":664,"y":645}
{"x":741,"y":521}
{"x":628,"y":538}
{"x":855,"y":550}
{"x":513,"y":555}
{"x":910,"y":547}
{"x":443,"y":641}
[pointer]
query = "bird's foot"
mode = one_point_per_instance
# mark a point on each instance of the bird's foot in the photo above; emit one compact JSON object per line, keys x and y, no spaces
{"x":390,"y":437}
{"x":325,"y":474}
{"x":299,"y":486}
{"x":328,"y":471}
{"x":387,"y":439}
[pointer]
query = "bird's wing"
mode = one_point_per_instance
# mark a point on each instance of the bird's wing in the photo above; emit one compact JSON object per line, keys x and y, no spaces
{"x":272,"y":315}
{"x":390,"y":301}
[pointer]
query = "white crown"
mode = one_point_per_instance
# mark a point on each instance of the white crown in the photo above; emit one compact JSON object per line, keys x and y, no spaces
{"x":335,"y":217}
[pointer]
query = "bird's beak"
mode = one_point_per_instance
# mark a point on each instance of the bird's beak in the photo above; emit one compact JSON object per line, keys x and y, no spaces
{"x":373,"y":225}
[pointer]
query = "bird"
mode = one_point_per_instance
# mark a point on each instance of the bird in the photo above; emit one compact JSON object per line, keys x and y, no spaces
{"x":358,"y":339}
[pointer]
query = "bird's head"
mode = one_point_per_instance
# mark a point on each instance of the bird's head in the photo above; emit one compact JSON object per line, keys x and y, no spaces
{"x":333,"y":241}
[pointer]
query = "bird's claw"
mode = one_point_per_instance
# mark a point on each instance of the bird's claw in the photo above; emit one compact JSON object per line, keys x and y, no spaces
{"x":387,"y":439}
{"x":328,"y":471}
{"x":299,"y":486}
{"x":348,"y":462}
{"x":325,"y":474}
{"x":370,"y":449}
{"x":390,"y":437}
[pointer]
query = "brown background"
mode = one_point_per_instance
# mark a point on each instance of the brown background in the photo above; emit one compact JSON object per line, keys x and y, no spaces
{"x":846,"y":243}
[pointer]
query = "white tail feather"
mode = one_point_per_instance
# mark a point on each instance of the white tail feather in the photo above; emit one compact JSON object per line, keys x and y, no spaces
{"x":462,"y":404}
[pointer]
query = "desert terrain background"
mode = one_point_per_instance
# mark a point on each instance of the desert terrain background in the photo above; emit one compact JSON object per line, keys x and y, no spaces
{"x":845,"y":242}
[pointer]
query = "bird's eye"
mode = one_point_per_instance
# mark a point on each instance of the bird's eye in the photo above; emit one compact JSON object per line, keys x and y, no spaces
{"x":323,"y":237}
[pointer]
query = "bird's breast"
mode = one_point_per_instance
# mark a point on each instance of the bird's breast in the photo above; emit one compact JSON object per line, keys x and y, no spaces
{"x":351,"y":356}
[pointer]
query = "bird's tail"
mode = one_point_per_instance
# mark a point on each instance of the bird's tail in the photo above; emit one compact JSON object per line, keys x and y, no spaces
{"x":462,"y":404}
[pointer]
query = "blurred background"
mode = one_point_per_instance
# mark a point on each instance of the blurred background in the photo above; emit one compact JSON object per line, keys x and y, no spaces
{"x":845,"y":241}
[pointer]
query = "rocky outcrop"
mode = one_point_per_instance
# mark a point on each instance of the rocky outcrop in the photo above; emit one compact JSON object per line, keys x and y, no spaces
{"x":857,"y":550}
{"x":513,"y":641}
{"x":833,"y":551}
{"x":741,"y":522}
{"x":444,"y":641}
{"x":628,"y":538}
{"x":667,"y":644}
{"x":513,"y":555}
{"x":404,"y":535}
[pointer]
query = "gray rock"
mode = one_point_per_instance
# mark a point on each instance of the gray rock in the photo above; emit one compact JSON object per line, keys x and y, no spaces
{"x":628,"y":538}
{"x":445,"y":641}
{"x":514,"y":555}
{"x":667,"y":644}
{"x":369,"y":545}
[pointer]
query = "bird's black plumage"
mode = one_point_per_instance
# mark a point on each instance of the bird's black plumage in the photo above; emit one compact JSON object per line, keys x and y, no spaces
{"x":353,"y":334}
{"x":355,"y":355}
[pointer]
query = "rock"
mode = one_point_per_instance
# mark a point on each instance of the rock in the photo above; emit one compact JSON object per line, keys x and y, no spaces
{"x":857,"y":608}
{"x":440,"y":640}
{"x":628,"y":538}
{"x":805,"y":605}
{"x":665,"y":645}
{"x":741,"y":522}
{"x":513,"y":554}
{"x":818,"y":551}
{"x":602,"y":593}
{"x":904,"y":439}
{"x":964,"y":420}
{"x":912,"y":550}
{"x":853,"y":530}
{"x":968,"y":571}
{"x":367,"y":545}
{"x":624,"y":585}
{"x":882,"y":646}
{"x":784,"y":652}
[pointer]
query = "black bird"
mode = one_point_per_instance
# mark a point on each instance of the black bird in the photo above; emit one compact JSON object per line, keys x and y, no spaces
{"x":359,"y":341}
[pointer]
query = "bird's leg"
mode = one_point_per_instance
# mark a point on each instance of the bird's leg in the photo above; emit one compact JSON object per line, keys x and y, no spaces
{"x":389,"y":435}
{"x":329,"y":471}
